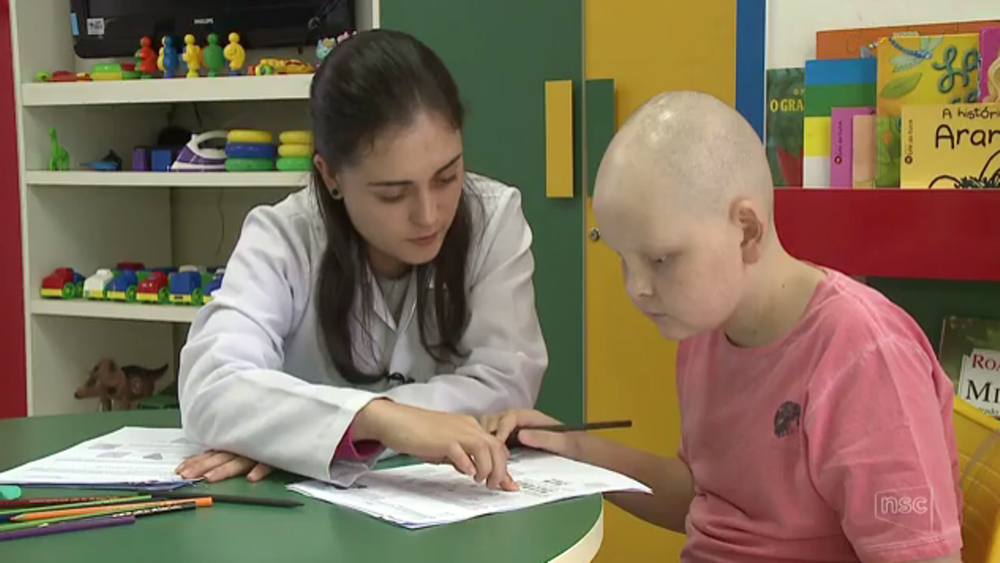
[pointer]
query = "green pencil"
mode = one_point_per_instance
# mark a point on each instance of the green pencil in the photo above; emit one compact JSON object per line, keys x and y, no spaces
{"x":110,"y":512}
{"x":6,"y":514}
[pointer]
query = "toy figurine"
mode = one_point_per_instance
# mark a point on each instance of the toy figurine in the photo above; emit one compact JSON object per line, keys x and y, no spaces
{"x":192,"y":56}
{"x":213,"y":56}
{"x":146,"y":59}
{"x":171,"y":61}
{"x":235,"y":54}
{"x":119,"y":388}
{"x":59,"y":159}
{"x":324,"y":47}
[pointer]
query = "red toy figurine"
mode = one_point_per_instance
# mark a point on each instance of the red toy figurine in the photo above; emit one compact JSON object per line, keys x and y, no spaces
{"x":147,"y":58}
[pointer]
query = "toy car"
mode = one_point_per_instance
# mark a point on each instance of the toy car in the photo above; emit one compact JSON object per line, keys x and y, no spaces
{"x":212,"y":286}
{"x":96,"y":286}
{"x":124,"y":286}
{"x":130,"y":266}
{"x":186,"y":288}
{"x":155,"y":288}
{"x":63,"y":283}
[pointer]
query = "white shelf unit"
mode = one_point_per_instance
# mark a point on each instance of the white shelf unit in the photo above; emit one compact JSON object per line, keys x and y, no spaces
{"x":117,"y":311}
{"x":87,"y":220}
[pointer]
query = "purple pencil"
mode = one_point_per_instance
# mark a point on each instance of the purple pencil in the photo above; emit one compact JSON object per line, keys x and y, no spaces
{"x":86,"y":524}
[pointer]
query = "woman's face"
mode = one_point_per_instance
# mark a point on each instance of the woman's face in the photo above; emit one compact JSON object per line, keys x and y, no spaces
{"x":402,"y":195}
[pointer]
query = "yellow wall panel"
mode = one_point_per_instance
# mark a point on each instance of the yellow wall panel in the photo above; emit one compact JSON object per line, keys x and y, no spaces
{"x":647,"y":47}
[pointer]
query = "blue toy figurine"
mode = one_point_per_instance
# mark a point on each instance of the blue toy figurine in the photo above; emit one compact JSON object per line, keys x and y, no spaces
{"x":171,"y":60}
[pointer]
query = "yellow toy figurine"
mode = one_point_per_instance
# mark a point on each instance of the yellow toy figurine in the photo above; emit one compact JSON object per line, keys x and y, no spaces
{"x":159,"y":60}
{"x":235,"y":54}
{"x":192,"y":56}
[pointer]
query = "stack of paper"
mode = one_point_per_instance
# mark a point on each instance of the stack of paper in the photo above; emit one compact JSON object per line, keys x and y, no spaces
{"x":424,"y":495}
{"x":135,"y":458}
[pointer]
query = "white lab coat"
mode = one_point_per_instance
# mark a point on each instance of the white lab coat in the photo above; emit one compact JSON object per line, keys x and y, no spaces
{"x":255,"y":378}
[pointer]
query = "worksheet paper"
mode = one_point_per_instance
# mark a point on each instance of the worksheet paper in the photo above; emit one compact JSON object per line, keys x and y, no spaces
{"x":133,"y":457}
{"x":418,"y":496}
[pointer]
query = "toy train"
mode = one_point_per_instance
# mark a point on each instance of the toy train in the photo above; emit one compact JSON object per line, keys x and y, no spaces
{"x":131,"y":282}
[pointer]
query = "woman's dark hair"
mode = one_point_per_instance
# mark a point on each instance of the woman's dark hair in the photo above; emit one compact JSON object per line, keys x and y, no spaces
{"x":372,"y":84}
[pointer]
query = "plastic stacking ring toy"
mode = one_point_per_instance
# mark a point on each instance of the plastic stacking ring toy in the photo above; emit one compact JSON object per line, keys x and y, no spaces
{"x":249,"y":150}
{"x":295,"y":164}
{"x":296,"y":150}
{"x":296,"y":138}
{"x":249,"y":164}
{"x":249,"y":136}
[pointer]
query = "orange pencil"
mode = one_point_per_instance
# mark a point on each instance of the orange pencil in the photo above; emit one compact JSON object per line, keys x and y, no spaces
{"x":201,"y":502}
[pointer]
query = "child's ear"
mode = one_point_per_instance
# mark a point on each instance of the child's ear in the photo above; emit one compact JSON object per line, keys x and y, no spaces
{"x":747,"y":216}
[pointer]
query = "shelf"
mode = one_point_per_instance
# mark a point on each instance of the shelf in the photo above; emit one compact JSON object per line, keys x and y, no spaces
{"x":105,"y":310}
{"x":174,"y":90}
{"x":168,"y":179}
{"x":922,"y":234}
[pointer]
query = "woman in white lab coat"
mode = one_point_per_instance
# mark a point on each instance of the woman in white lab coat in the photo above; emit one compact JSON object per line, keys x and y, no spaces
{"x":386,"y":306}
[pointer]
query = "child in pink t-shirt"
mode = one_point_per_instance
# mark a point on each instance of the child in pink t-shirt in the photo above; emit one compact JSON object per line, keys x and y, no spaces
{"x":816,"y":421}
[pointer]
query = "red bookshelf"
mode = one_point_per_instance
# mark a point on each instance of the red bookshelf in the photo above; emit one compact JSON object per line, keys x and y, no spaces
{"x":925,"y":234}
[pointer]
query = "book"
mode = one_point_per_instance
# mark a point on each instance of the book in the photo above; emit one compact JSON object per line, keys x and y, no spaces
{"x":830,"y":84}
{"x":938,"y":69}
{"x":783,"y":124}
{"x":842,"y":144}
{"x":862,"y":42}
{"x":951,"y":146}
{"x":989,"y":68}
{"x":969,"y":352}
{"x":863,"y":141}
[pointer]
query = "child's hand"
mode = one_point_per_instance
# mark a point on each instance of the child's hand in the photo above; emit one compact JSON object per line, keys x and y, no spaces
{"x":217,"y":466}
{"x":502,"y":424}
{"x":437,"y":437}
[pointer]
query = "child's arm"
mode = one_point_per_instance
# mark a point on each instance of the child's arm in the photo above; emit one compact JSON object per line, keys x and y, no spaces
{"x":670,"y":478}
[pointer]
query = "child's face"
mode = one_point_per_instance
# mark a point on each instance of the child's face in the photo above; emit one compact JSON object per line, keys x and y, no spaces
{"x":683,"y":265}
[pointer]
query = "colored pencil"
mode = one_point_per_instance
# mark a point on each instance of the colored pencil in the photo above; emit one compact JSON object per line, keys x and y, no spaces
{"x":45,"y":515}
{"x":514,"y":442}
{"x":9,"y":505}
{"x":111,"y":511}
{"x":76,"y":526}
{"x":230,"y":499}
{"x":9,"y":514}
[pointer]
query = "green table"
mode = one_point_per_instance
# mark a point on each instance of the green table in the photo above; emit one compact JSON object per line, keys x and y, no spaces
{"x":566,"y":531}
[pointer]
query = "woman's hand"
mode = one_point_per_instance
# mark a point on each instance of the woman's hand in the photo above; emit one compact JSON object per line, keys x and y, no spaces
{"x":504,"y":423}
{"x":217,"y":466}
{"x":436,"y":437}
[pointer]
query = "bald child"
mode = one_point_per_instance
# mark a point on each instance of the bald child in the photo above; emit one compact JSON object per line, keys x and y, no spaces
{"x":815,"y":420}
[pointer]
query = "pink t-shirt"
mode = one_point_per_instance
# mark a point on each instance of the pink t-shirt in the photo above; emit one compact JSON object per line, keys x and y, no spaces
{"x":834,"y":443}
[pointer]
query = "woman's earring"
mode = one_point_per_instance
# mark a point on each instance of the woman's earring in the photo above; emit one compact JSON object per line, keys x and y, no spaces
{"x":335,"y":194}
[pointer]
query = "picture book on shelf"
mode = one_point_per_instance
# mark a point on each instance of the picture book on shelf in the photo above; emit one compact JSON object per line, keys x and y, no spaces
{"x":951,"y":146}
{"x":831,"y":84}
{"x":929,"y":69}
{"x":842,"y":145}
{"x":989,"y":69}
{"x":863,"y":146}
{"x":970,"y":355}
{"x":861,"y":42}
{"x":783,"y":125}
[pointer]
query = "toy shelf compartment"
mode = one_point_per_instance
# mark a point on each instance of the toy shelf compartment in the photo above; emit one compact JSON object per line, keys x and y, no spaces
{"x":174,"y":90}
{"x":119,"y":311}
{"x":921,"y":234}
{"x":168,"y":179}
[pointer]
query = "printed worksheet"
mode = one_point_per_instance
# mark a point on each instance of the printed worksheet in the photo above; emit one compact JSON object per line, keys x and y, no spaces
{"x":129,"y":456}
{"x":424,"y":495}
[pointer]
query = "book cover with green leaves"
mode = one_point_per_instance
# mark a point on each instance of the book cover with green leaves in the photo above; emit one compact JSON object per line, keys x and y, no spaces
{"x":912,"y":69}
{"x":783,"y":124}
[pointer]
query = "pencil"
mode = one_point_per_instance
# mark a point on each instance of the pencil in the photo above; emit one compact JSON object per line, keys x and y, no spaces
{"x":7,"y":515}
{"x":230,"y":499}
{"x":9,"y":505}
{"x":76,"y":526}
{"x":200,"y":502}
{"x":110,"y":512}
{"x":514,"y":442}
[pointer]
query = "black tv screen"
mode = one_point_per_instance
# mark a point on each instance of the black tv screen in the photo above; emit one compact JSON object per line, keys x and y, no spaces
{"x":113,"y":28}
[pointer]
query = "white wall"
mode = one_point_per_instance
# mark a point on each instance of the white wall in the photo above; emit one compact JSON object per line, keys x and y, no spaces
{"x":792,"y":24}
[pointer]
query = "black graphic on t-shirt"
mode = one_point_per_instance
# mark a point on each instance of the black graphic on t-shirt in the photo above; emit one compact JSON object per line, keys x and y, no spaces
{"x":787,"y":415}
